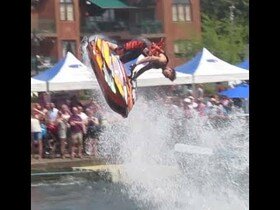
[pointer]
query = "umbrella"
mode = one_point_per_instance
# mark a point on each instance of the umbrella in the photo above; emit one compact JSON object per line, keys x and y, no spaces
{"x":241,"y":91}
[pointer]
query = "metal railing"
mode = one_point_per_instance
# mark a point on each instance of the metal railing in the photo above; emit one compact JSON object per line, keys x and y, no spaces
{"x":143,"y":27}
{"x":147,"y":27}
{"x":142,"y":3}
{"x":92,"y":25}
{"x":44,"y":26}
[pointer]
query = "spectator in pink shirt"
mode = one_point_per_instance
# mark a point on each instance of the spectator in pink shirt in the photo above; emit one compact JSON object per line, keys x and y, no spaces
{"x":201,"y":107}
{"x":77,"y":128}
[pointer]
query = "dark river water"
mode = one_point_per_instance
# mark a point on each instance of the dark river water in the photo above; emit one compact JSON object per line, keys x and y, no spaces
{"x":70,"y":193}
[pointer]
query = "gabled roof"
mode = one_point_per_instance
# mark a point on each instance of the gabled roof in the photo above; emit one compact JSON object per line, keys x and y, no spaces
{"x":68,"y":74}
{"x":207,"y":68}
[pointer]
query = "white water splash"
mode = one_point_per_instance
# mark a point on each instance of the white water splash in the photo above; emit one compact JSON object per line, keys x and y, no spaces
{"x":159,"y":178}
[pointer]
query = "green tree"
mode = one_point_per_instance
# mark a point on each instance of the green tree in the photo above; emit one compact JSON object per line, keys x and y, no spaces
{"x":225,"y":30}
{"x":188,"y":48}
{"x":225,"y":39}
{"x":220,"y":9}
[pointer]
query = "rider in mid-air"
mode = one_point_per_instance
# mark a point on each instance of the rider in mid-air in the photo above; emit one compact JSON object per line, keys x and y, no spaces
{"x":154,"y":56}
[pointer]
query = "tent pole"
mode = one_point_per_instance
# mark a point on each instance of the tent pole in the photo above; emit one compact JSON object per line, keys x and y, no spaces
{"x":193,"y":87}
{"x":48,"y":91}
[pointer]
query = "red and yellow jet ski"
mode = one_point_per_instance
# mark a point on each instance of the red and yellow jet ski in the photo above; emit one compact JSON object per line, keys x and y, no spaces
{"x":111,"y":75}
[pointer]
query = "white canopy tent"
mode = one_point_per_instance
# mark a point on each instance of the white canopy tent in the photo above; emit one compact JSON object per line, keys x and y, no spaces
{"x":38,"y":85}
{"x":154,"y":77}
{"x":72,"y":74}
{"x":68,"y":74}
{"x":207,"y":68}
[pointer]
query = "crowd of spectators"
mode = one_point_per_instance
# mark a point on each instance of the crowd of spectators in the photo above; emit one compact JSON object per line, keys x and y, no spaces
{"x":73,"y":128}
{"x":214,"y":106}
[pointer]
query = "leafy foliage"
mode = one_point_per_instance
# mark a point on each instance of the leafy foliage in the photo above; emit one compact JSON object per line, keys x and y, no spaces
{"x":220,"y":9}
{"x":225,"y":39}
{"x":225,"y":30}
{"x":188,"y":48}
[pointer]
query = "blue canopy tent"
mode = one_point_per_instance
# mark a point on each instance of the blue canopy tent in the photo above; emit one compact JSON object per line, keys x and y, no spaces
{"x":244,"y":64}
{"x":240,"y":91}
{"x":50,"y":73}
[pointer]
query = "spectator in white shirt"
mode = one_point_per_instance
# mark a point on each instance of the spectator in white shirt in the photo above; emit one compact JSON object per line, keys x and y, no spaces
{"x":82,"y":114}
{"x":193,"y":103}
{"x":52,"y":112}
{"x":36,"y":135}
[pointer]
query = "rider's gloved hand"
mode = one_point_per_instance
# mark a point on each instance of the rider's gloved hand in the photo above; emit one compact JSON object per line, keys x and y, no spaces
{"x":119,"y":51}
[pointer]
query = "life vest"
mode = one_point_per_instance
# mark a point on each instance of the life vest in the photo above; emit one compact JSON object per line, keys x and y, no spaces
{"x":156,"y":48}
{"x":153,"y":48}
{"x":134,"y":45}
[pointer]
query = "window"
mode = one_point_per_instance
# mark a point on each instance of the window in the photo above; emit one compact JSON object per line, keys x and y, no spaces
{"x":68,"y":46}
{"x":181,"y":10}
{"x":174,"y":13}
{"x":181,"y":15}
{"x":176,"y":48}
{"x":66,"y":10}
{"x":188,"y":12}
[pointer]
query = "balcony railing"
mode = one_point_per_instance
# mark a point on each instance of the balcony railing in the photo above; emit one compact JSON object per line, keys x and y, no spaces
{"x":141,"y":3}
{"x":96,"y":25}
{"x":44,"y":26}
{"x":147,"y":27}
{"x":144,"y":27}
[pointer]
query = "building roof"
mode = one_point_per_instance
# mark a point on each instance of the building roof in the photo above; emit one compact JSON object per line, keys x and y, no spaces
{"x":111,"y":4}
